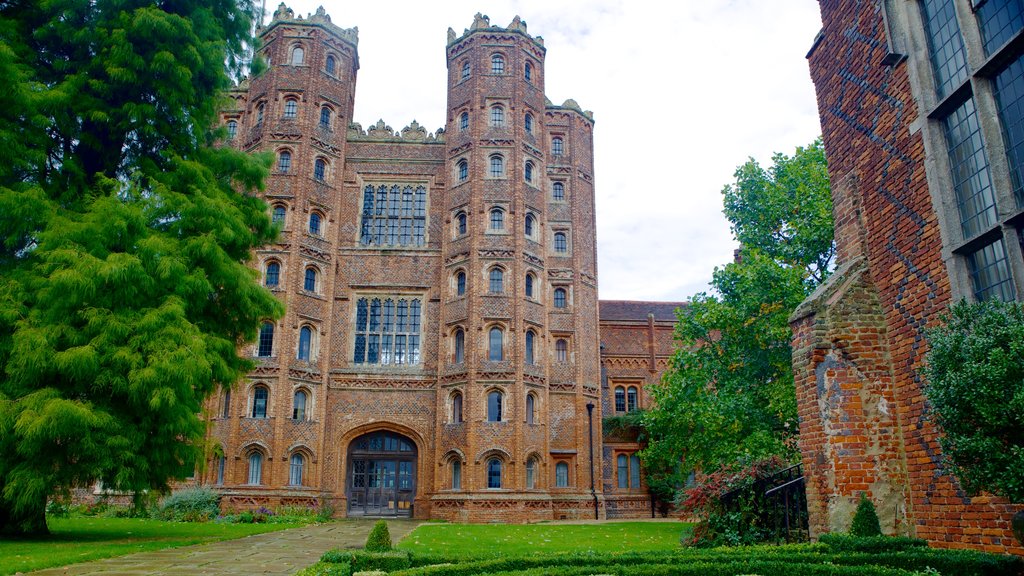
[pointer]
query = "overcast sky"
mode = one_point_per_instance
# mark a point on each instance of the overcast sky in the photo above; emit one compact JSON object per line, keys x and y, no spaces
{"x":682,"y":93}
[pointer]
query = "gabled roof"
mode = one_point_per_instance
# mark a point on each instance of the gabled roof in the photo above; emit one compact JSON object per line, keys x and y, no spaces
{"x":637,"y":311}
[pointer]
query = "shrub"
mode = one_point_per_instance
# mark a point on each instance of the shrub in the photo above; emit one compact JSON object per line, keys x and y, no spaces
{"x":850,"y":543}
{"x":362,"y":560}
{"x":865,"y":519}
{"x":58,"y":509}
{"x":379,"y":539}
{"x":190,"y":505}
{"x":325,"y":569}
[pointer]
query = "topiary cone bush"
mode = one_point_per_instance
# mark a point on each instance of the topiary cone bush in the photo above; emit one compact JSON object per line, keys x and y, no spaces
{"x":379,"y":539}
{"x":865,"y":520}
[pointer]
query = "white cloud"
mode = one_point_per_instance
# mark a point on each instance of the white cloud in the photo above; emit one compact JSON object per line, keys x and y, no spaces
{"x":682,"y":94}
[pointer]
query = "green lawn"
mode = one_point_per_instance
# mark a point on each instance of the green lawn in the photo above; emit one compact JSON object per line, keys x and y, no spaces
{"x":79,"y":539}
{"x":517,"y":539}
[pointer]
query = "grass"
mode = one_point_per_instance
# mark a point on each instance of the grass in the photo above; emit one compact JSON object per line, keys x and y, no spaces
{"x":525,"y":539}
{"x":80,"y":539}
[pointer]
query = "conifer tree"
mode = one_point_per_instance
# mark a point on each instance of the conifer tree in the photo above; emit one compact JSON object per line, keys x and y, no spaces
{"x":124,"y":232}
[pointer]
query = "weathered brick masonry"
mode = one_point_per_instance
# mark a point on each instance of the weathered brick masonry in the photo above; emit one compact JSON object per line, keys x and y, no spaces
{"x":859,"y":341}
{"x":440,"y":353}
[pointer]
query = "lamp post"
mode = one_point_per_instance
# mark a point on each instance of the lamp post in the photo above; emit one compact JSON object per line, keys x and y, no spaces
{"x":590,"y":422}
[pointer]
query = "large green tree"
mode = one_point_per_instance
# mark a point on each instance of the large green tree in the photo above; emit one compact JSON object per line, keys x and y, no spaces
{"x":124,"y":232}
{"x":728,"y":395}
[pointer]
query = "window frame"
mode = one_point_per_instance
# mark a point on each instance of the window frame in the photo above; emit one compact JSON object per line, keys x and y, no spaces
{"x":496,"y":406}
{"x":496,"y":344}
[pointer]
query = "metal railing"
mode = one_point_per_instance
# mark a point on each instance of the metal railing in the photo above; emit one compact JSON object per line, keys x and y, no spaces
{"x":777,"y":503}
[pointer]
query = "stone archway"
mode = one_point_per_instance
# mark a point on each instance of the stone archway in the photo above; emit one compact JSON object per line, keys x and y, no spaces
{"x":381,"y":475}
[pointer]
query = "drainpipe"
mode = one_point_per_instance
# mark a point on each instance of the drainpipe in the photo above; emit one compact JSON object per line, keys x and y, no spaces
{"x":590,"y":421}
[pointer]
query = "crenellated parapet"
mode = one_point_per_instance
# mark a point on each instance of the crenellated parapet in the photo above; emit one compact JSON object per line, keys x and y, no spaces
{"x":570,"y":104}
{"x":286,"y":16}
{"x":381,"y":132}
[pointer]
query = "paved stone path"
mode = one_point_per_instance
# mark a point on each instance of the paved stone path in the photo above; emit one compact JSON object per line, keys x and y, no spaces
{"x":280,"y":553}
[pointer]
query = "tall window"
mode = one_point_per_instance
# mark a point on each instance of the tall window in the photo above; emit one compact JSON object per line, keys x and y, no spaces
{"x":530,"y":337}
{"x":299,"y":405}
{"x":277,"y":216}
{"x":456,"y":408}
{"x":325,"y":118}
{"x":528,"y":172}
{"x":298,"y":55}
{"x":558,"y":192}
{"x":529,"y":408}
{"x":255,"y":469}
{"x":460,"y":283}
{"x":497,"y":64}
{"x":494,"y":473}
{"x":528,"y":71}
{"x":497,"y":219}
{"x":497,"y":116}
{"x":561,"y":350}
{"x":634,"y":471}
{"x":259,"y":114}
{"x":461,"y":223}
{"x":456,"y":474}
{"x":226,"y":413}
{"x":528,"y":123}
{"x":330,"y":64}
{"x":497,"y":280}
{"x":463,"y":168}
{"x":465,"y":70}
{"x":284,"y":162}
{"x":259,"y":402}
{"x":265,"y":347}
{"x":561,"y":475}
{"x":221,"y":465}
{"x":628,"y":468}
{"x":314,"y":223}
{"x":497,"y":166}
{"x":291,"y":108}
{"x":298,"y":464}
{"x":560,"y":298}
{"x":272,"y":275}
{"x":528,"y":225}
{"x":232,"y":129}
{"x":531,"y":473}
{"x":494,"y":407}
{"x":464,"y":121}
{"x":620,"y":399}
{"x":309,"y":282}
{"x":631,"y":398}
{"x":494,"y":345}
{"x":460,"y":348}
{"x":305,"y":344}
{"x":387,"y":331}
{"x":561,"y":243}
{"x":394,"y":215}
{"x":320,"y":170}
{"x":557,"y":147}
{"x":529,"y":284}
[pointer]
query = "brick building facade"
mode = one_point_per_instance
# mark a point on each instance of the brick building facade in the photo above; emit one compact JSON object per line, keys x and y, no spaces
{"x":921,"y":112}
{"x":440,"y":354}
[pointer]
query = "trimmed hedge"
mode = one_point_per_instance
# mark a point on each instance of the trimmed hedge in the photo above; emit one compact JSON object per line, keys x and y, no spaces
{"x":361,"y":560}
{"x":326,"y":569}
{"x":838,"y":542}
{"x":379,"y":539}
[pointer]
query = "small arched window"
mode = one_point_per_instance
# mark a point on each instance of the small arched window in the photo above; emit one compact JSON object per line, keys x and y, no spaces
{"x":557,"y":147}
{"x":265,"y":346}
{"x":460,"y":350}
{"x":298,"y":464}
{"x":325,"y":118}
{"x":456,"y":474}
{"x":560,"y":298}
{"x":497,"y":166}
{"x":456,"y":408}
{"x":561,"y":350}
{"x":298,"y":55}
{"x":259,"y":114}
{"x":330,"y":64}
{"x":255,"y":468}
{"x":528,"y":172}
{"x":314,"y":223}
{"x":465,"y":70}
{"x":494,"y":345}
{"x":284,"y":162}
{"x":530,"y":343}
{"x":464,"y":121}
{"x":320,"y":170}
{"x":277,"y":216}
{"x":291,"y":108}
{"x":561,"y":475}
{"x":528,"y":71}
{"x":259,"y":402}
{"x":460,"y":283}
{"x":226,"y":413}
{"x":497,"y":64}
{"x":529,"y":284}
{"x":309,"y":282}
{"x":305,"y":344}
{"x":494,"y":473}
{"x":494,"y":401}
{"x":561,"y":243}
{"x":461,"y":221}
{"x":463,"y":170}
{"x":272,"y":276}
{"x":497,"y":280}
{"x":531,"y":473}
{"x":631,"y":399}
{"x":497,"y":116}
{"x":232,"y":129}
{"x":299,"y":405}
{"x":558,"y":192}
{"x":529,"y":408}
{"x":528,"y":123}
{"x":620,"y":399}
{"x":497,"y":219}
{"x":528,"y":225}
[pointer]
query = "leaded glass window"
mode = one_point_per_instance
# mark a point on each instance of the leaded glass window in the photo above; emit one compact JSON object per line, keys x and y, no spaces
{"x":946,"y":47}
{"x":971,"y":180}
{"x":255,"y":469}
{"x":557,"y":148}
{"x":990,"y":272}
{"x":314,"y":223}
{"x":298,"y":464}
{"x":305,"y":343}
{"x":561,"y":475}
{"x":561,"y":350}
{"x":456,"y":408}
{"x":259,"y":402}
{"x":284,"y":162}
{"x":461,"y":223}
{"x":394,"y":215}
{"x":529,"y":285}
{"x":497,"y":116}
{"x":298,"y":54}
{"x":309,"y":282}
{"x":266,"y":340}
{"x":528,"y":72}
{"x":232,"y":129}
{"x":560,"y":299}
{"x":464,"y":121}
{"x":494,"y":345}
{"x":460,"y":349}
{"x":291,"y":108}
{"x":497,"y":166}
{"x":494,"y":473}
{"x":528,"y":123}
{"x":494,"y":406}
{"x":273,"y":275}
{"x":529,"y":408}
{"x":530,"y":342}
{"x":528,"y":172}
{"x":620,"y":399}
{"x":460,"y":283}
{"x":330,"y":64}
{"x":497,"y":280}
{"x":465,"y":70}
{"x":325,"y":118}
{"x":999,"y":21}
{"x":1009,"y":93}
{"x":320,"y":170}
{"x":497,"y":219}
{"x":497,"y":64}
{"x":299,"y":405}
{"x":631,"y":398}
{"x":387,"y":331}
{"x":622,"y":465}
{"x":531,"y":473}
{"x":278,"y":215}
{"x":634,"y":471}
{"x":561,"y":243}
{"x":456,"y":475}
{"x":558,"y":192}
{"x":463,"y":170}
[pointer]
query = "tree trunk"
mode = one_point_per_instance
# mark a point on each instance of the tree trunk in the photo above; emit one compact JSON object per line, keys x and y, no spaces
{"x":31,"y":522}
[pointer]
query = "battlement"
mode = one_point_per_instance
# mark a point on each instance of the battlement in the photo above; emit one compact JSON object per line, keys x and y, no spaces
{"x":482,"y":23}
{"x":570,"y":104}
{"x":285,"y":15}
{"x":381,"y":132}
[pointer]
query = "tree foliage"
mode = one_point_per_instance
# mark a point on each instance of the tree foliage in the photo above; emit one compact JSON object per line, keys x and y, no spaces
{"x":975,"y":373}
{"x":124,"y":292}
{"x":728,"y":395}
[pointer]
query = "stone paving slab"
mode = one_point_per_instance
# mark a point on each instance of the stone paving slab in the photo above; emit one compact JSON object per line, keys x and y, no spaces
{"x":274,"y":553}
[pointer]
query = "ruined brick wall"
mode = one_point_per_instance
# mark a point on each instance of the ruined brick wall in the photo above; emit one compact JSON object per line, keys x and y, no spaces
{"x":859,"y":342}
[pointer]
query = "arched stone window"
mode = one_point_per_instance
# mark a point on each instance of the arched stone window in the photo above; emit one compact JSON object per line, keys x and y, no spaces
{"x":315,"y":219}
{"x":330,"y":64}
{"x":530,"y":406}
{"x":298,"y":55}
{"x":561,"y":242}
{"x":260,"y":110}
{"x":460,"y":349}
{"x":296,"y":470}
{"x":497,"y":64}
{"x":531,"y":336}
{"x":464,"y":121}
{"x":494,"y":473}
{"x":284,"y":161}
{"x":494,"y":406}
{"x":529,"y":225}
{"x":461,"y":224}
{"x":265,"y":346}
{"x":496,"y":278}
{"x":325,"y":118}
{"x":465,"y":70}
{"x":456,"y":408}
{"x":305,"y":351}
{"x":232,"y":129}
{"x":495,"y":343}
{"x":463,"y":169}
{"x":531,"y":473}
{"x":497,"y":219}
{"x":530,"y":280}
{"x":309,"y":281}
{"x":460,"y":283}
{"x":560,"y":299}
{"x":456,"y":474}
{"x":272,"y":275}
{"x":255,"y":468}
{"x":528,"y":123}
{"x":561,"y":350}
{"x":528,"y":71}
{"x":299,"y":405}
{"x":291,"y":108}
{"x":528,"y":172}
{"x":558,"y":192}
{"x":497,"y":163}
{"x":561,"y":475}
{"x":320,"y":170}
{"x":497,"y":116}
{"x":279,"y":214}
{"x":557,"y":146}
{"x":260,"y":396}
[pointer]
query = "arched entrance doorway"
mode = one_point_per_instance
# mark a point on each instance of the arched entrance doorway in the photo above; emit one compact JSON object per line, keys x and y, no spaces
{"x":381,"y":475}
